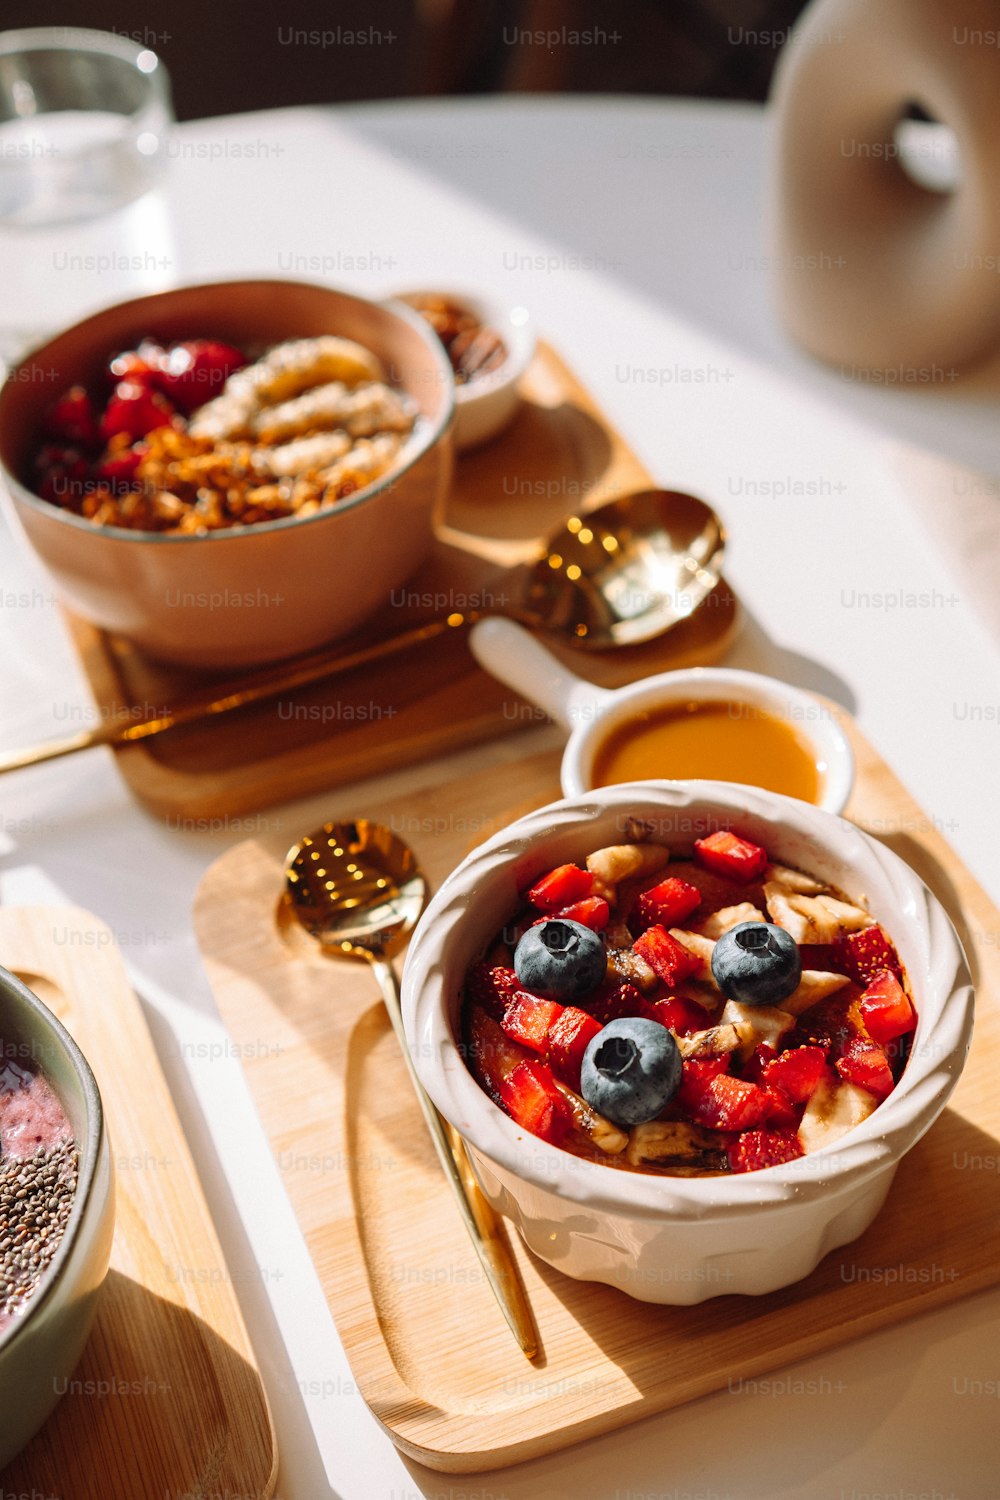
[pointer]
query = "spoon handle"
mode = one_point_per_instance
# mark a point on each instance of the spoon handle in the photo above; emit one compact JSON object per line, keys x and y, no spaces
{"x":484,"y":1226}
{"x":280,"y":679}
{"x":505,"y":649}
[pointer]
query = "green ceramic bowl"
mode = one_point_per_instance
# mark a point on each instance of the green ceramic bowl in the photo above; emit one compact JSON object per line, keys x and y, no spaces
{"x":39,"y":1349}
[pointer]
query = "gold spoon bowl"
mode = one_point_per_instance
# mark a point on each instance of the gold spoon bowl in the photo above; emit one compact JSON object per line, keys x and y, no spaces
{"x":356,"y":889}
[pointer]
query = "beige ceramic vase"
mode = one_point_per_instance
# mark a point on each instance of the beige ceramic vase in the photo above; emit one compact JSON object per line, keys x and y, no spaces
{"x":875,"y":271}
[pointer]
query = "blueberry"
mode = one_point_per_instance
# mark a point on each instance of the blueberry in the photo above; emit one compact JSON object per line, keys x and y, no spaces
{"x":561,"y":960}
{"x":630,"y":1070}
{"x":757,"y":963}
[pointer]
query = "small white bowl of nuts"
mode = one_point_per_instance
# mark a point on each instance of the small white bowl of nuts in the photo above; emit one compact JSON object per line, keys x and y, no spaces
{"x":490,"y":344}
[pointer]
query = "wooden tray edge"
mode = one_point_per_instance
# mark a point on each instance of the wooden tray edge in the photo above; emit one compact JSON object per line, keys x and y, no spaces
{"x":103,"y":953}
{"x":405,"y":1415}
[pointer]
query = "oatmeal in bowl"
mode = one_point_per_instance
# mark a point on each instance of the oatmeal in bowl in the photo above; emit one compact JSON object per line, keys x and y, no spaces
{"x":198,"y":437}
{"x":230,"y":474}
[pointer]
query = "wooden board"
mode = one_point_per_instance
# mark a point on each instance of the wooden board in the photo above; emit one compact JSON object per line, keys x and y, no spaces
{"x":187,"y":1415}
{"x":558,"y":456}
{"x":388,"y":1244}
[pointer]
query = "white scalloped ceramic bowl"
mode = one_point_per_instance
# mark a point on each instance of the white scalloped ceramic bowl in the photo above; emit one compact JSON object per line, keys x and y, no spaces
{"x":682,"y":1240}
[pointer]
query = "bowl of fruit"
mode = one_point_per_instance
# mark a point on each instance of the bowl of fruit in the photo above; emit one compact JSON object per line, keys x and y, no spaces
{"x":231,"y":474}
{"x":687,"y":1031}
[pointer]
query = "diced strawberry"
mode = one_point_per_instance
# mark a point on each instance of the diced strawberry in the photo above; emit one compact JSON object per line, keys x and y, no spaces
{"x":668,"y":958}
{"x":726,"y":854}
{"x":492,"y":1055}
{"x":863,"y":954}
{"x":561,"y":887}
{"x":141,"y":365}
{"x":697,"y":1073}
{"x":669,"y":903}
{"x":559,"y":1033}
{"x":682,"y":1016}
{"x":531,"y":1098}
{"x":756,"y":1149}
{"x":527,"y":1019}
{"x":134,"y":409}
{"x":711,"y":1096}
{"x":593,"y":912}
{"x":191,"y":373}
{"x":753,"y":1071}
{"x":72,"y":419}
{"x":780,"y":1111}
{"x":492,"y":988}
{"x":617,"y":1003}
{"x":797,"y":1072}
{"x":64,"y":475}
{"x":118,"y":470}
{"x":724,"y":1102}
{"x":863,"y":1062}
{"x":886,"y":1008}
{"x":570,"y":1034}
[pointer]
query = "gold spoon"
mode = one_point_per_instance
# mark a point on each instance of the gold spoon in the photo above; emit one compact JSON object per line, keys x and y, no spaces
{"x":356,"y":889}
{"x":623,"y":574}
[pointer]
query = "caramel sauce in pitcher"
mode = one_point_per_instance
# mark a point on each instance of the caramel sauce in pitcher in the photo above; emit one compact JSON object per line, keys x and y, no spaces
{"x":718,"y":741}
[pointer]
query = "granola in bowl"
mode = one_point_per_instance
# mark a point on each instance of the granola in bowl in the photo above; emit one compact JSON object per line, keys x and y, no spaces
{"x":197,"y":437}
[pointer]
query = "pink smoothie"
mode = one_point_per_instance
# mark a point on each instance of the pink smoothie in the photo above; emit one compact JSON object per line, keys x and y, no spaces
{"x":38,"y":1175}
{"x":31,"y":1117}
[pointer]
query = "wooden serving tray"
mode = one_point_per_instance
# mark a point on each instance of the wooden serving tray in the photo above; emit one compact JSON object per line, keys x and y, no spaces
{"x":559,"y":455}
{"x":186,"y":1415}
{"x":388,"y":1244}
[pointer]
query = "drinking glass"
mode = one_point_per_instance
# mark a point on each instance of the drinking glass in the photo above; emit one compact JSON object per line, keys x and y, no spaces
{"x":84,"y":123}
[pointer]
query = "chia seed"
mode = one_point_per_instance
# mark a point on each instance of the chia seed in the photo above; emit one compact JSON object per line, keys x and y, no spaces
{"x":39,"y":1166}
{"x":36,"y":1200}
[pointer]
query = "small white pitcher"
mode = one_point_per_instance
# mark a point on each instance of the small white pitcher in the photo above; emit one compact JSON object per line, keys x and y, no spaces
{"x":511,"y":654}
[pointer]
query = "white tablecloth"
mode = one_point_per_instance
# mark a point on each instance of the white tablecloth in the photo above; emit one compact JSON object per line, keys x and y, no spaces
{"x":633,"y":231}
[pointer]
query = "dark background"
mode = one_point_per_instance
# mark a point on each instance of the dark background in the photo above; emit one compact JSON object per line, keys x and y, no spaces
{"x":224,"y":57}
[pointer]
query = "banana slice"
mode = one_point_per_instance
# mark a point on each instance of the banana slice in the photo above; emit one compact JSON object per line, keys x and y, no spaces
{"x":367,"y":460}
{"x":299,"y":364}
{"x":676,"y":1143}
{"x":226,"y":417}
{"x":705,"y":1043}
{"x":617,"y":862}
{"x":813,"y":919}
{"x":606,"y":1136}
{"x":284,"y":372}
{"x":632,"y":968}
{"x":793,"y":880}
{"x":730,"y":916}
{"x":361,"y":412}
{"x":833,"y":1110}
{"x":317,"y":452}
{"x":814,"y":986}
{"x":756,"y":1024}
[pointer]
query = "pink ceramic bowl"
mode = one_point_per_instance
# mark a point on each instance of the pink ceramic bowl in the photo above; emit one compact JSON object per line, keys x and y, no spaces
{"x":267,"y":591}
{"x":675,"y":1239}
